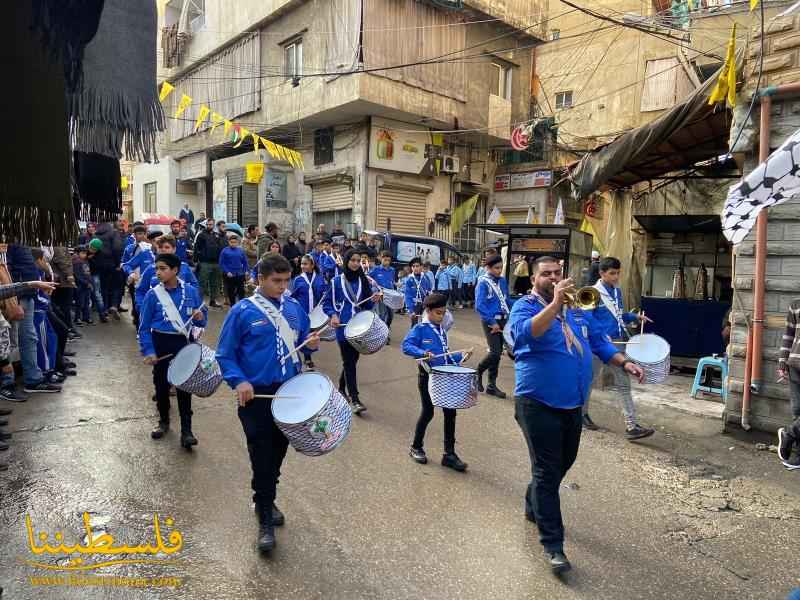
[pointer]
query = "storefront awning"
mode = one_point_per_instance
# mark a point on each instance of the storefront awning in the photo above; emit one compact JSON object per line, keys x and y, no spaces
{"x":688,"y":133}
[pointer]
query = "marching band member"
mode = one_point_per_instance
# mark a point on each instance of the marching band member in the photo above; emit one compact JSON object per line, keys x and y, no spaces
{"x":611,"y":317}
{"x":257,"y":333}
{"x":416,"y":289}
{"x":165,"y":244}
{"x":429,"y":339}
{"x":348,"y":294}
{"x":553,"y":361}
{"x":384,"y":275}
{"x":167,"y":311}
{"x":308,"y":289}
{"x":491,"y":303}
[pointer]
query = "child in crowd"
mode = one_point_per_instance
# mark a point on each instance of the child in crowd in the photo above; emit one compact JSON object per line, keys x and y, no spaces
{"x":83,"y":287}
{"x":384,"y":275}
{"x":308,"y":288}
{"x":47,"y":341}
{"x":94,"y":247}
{"x":233,"y":264}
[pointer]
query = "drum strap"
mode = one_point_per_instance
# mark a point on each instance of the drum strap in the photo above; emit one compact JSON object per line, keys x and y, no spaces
{"x":442,"y":335}
{"x":310,"y":290}
{"x":418,"y":283}
{"x":172,"y":312}
{"x":611,"y":304}
{"x":283,"y":331}
{"x":497,"y":292}
{"x":348,"y":293}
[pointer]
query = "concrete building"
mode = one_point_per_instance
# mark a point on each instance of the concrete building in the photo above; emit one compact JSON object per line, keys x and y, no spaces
{"x":396,"y":147}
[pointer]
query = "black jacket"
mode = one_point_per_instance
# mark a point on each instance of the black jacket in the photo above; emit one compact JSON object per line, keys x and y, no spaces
{"x":22,"y":267}
{"x":207,"y":246}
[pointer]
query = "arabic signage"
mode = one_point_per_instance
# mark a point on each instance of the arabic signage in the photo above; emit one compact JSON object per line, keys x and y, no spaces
{"x":518,"y":181}
{"x":405,"y":148}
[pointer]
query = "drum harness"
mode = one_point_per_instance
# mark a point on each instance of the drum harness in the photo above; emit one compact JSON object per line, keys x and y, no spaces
{"x":499,"y":293}
{"x":171,"y":312}
{"x":612,"y":305}
{"x":283,"y":331}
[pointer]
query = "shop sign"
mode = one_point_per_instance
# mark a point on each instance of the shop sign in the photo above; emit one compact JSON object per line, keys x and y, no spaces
{"x":518,"y":181}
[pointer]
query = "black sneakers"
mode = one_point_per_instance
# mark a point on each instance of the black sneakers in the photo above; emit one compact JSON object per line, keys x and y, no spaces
{"x":493,"y":390}
{"x":558,"y":562}
{"x":589,"y":424}
{"x":160,"y":430}
{"x":785,"y":443}
{"x":452,"y":461}
{"x":637,"y":432}
{"x":10,"y":394}
{"x":41,"y":388}
{"x":418,"y":454}
{"x":358,"y":407}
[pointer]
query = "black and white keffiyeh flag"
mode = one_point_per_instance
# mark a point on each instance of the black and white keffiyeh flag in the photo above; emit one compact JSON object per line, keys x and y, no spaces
{"x":773,"y":182}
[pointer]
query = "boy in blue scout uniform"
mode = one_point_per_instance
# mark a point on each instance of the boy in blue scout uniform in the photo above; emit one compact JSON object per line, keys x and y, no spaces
{"x":491,"y":303}
{"x":417,"y":287}
{"x":348,"y":294}
{"x":167,"y":312}
{"x":429,"y":339}
{"x":553,"y":348}
{"x":165,"y":245}
{"x":250,"y":349}
{"x":384,"y":276}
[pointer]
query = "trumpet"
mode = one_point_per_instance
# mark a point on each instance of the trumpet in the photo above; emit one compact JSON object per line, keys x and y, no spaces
{"x":585,"y":298}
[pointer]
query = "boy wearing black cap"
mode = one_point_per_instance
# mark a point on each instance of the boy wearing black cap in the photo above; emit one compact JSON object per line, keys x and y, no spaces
{"x":428,"y":339}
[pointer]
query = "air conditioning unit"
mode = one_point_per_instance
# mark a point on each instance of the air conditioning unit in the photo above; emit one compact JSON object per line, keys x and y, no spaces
{"x":450,"y":164}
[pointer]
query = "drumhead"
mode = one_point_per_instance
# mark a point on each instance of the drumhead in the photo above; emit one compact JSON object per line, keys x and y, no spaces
{"x":447,"y":321}
{"x":651,"y":348}
{"x":317,"y":317}
{"x":300,"y":398}
{"x":359,"y":324}
{"x":508,"y":335}
{"x":184,"y":364}
{"x":453,"y":369}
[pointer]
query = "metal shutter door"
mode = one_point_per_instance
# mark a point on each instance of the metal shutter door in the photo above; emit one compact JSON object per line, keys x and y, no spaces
{"x":406,"y":209}
{"x":249,"y":205}
{"x":235,"y":180}
{"x":331,"y":196}
{"x":514,"y":216}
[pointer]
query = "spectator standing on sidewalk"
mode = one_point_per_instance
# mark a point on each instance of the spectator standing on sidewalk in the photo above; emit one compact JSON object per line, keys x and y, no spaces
{"x":207,"y":248}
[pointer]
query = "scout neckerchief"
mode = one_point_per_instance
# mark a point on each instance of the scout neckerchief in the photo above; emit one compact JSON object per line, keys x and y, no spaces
{"x":310,"y":283}
{"x":497,"y":292}
{"x":285,"y":336}
{"x":612,"y":304}
{"x":172,"y":313}
{"x":442,"y":335}
{"x":418,"y":297}
{"x":349,"y":294}
{"x":569,"y":335}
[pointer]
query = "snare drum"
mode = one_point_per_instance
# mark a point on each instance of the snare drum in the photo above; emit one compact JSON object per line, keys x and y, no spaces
{"x":651,"y":352}
{"x":318,"y":320}
{"x":366,"y":332}
{"x":393,"y":299}
{"x":447,"y":321}
{"x":508,"y":340}
{"x":312,"y":414}
{"x":195,"y":370}
{"x":452,"y":386}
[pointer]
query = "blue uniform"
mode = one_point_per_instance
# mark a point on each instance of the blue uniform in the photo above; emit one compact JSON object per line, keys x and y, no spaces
{"x":233,"y":260}
{"x":416,"y":289}
{"x":470,"y":274}
{"x":141,"y":261}
{"x":430,"y":277}
{"x":456,"y":276}
{"x":300,"y":289}
{"x":338,"y":302}
{"x":545,"y":370}
{"x":127,"y":254}
{"x":384,"y":276}
{"x":487,"y":304}
{"x":248,"y":343}
{"x":182,"y":249}
{"x":153,"y":318}
{"x":327,"y":265}
{"x":606,"y":320}
{"x":149,"y":280}
{"x":427,"y":337}
{"x":442,"y":279}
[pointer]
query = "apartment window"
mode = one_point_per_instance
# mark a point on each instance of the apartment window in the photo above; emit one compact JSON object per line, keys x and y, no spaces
{"x":555,"y":34}
{"x":293,"y":59}
{"x":564,"y":99}
{"x":500,"y":84}
{"x":150,"y":198}
{"x":323,"y":146}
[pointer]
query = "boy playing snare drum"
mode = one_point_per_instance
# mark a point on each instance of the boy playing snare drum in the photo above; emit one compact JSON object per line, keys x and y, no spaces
{"x":428,"y":339}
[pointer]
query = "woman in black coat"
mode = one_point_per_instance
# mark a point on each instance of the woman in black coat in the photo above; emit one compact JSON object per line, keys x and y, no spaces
{"x":292,"y":253}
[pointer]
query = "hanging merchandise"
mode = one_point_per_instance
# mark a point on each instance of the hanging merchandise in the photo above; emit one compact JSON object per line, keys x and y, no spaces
{"x":701,"y":284}
{"x":254,"y":172}
{"x":679,"y":283}
{"x":725,"y":87}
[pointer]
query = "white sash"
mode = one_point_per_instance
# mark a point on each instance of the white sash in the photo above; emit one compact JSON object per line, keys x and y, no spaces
{"x":610,"y":303}
{"x":170,"y":310}
{"x":352,"y":302}
{"x":283,"y":331}
{"x":442,"y":335}
{"x":310,"y":290}
{"x":418,"y":297}
{"x":497,"y":292}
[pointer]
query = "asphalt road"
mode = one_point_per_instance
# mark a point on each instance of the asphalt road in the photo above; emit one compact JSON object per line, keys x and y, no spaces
{"x":671,"y":517}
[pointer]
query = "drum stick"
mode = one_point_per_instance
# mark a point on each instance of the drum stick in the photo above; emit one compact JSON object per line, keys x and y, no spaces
{"x":160,"y":358}
{"x":366,"y":299}
{"x":424,"y":358}
{"x":300,"y":347}
{"x":273,"y":396}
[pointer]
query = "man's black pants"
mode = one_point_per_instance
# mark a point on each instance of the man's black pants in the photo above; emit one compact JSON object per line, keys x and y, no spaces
{"x":234,"y":288}
{"x":553,"y":436}
{"x":63,"y":297}
{"x":164,"y":344}
{"x":266,"y":445}
{"x":491,"y":362}
{"x":426,"y":415}
{"x":348,"y":380}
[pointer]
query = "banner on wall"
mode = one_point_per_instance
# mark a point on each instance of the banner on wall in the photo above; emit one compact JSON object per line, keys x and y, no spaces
{"x":404,"y":147}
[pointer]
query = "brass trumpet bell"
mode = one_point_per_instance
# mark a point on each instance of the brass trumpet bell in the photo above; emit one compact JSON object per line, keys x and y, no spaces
{"x":585,"y":298}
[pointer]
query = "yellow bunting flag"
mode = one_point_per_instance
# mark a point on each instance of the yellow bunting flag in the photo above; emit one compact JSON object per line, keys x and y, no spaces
{"x":255,"y":142}
{"x":166,"y":90}
{"x":123,"y":184}
{"x":216,"y":119}
{"x":243,"y":133}
{"x":254,"y":172}
{"x":226,"y":127}
{"x":726,"y":83}
{"x":300,"y":160}
{"x":437,"y":139}
{"x":753,"y":4}
{"x":185,"y":103}
{"x":201,"y":117}
{"x":273,"y":151}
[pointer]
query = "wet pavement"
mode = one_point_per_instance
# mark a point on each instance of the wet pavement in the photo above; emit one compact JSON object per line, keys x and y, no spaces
{"x":675,"y":516}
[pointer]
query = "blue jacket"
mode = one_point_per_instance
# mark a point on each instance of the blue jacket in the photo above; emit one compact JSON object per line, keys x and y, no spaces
{"x":384,"y":276}
{"x":141,"y":261}
{"x":416,"y":290}
{"x":127,"y":254}
{"x":22,"y":267}
{"x":182,"y":249}
{"x":430,"y":277}
{"x":233,"y":260}
{"x":149,"y":280}
{"x":327,"y":265}
{"x":152,"y":318}
{"x":422,"y":338}
{"x":300,"y":290}
{"x":335,"y":303}
{"x":442,"y":279}
{"x":247,"y":348}
{"x":487,"y":304}
{"x":470,"y":274}
{"x":545,"y":370}
{"x":456,"y":276}
{"x":606,"y":320}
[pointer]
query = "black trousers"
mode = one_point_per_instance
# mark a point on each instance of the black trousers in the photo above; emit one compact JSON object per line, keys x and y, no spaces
{"x":108,"y":279}
{"x":167,"y":343}
{"x":348,"y":380}
{"x":266,"y":445}
{"x":234,"y":288}
{"x":416,"y":314}
{"x":426,"y":415}
{"x":60,"y":327}
{"x":553,"y":436}
{"x":82,"y":308}
{"x":62,"y":298}
{"x":491,"y":362}
{"x":134,"y":308}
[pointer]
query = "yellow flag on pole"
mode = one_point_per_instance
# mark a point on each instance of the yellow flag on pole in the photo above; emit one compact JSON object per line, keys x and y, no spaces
{"x":725,"y":88}
{"x":226,"y":127}
{"x":463,"y":212}
{"x":166,"y":90}
{"x":216,"y":119}
{"x":255,"y":142}
{"x":185,"y":103}
{"x":586,"y":227}
{"x":201,"y":117}
{"x":753,"y":4}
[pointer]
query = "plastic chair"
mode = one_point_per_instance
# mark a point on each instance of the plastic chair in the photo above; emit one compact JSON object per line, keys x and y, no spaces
{"x":716,"y":362}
